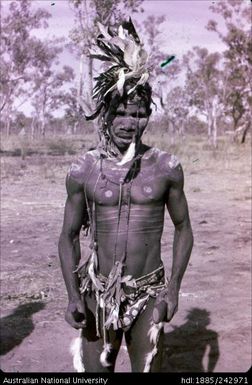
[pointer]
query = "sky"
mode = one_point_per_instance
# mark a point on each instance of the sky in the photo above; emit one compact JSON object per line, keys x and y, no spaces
{"x":183,"y":29}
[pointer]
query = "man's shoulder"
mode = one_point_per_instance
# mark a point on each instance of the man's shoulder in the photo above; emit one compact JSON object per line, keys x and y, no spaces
{"x":81,"y":166}
{"x":168,"y":164}
{"x":164,"y":159}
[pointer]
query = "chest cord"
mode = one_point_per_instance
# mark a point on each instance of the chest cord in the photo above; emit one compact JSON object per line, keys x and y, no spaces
{"x":92,"y":221}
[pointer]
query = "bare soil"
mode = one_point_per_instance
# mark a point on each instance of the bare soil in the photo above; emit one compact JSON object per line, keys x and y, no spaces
{"x":212,"y":329}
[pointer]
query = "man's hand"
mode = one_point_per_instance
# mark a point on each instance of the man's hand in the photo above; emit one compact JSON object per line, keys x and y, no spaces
{"x":75,"y":314}
{"x":166,"y":305}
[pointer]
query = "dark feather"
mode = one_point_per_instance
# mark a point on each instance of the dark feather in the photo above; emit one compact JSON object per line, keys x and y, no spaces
{"x":111,"y":32}
{"x":100,"y":57}
{"x":129,"y":26}
{"x":95,"y":114}
{"x":164,"y":64}
{"x":111,"y":50}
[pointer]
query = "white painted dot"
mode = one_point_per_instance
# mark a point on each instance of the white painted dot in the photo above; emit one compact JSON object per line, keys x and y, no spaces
{"x":108,"y":194}
{"x":173,"y":162}
{"x":147,"y":189}
{"x":126,"y":321}
{"x":134,"y":312}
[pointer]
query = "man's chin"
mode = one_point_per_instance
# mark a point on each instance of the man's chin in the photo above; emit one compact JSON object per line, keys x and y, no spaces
{"x":123,"y":145}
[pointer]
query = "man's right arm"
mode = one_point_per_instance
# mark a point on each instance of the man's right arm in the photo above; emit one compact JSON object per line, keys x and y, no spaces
{"x":69,"y":249}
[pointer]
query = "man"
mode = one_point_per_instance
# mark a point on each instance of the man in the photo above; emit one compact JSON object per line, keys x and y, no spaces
{"x":120,"y":191}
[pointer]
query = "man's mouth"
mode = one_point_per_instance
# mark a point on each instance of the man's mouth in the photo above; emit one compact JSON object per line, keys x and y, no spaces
{"x":126,"y":133}
{"x":125,"y":136}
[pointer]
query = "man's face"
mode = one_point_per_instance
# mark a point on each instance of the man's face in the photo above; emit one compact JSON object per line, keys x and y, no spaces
{"x":128,"y":120}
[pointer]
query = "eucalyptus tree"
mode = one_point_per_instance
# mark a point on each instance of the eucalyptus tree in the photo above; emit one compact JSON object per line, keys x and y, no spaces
{"x":20,"y":54}
{"x":237,"y":60}
{"x":206,"y":85}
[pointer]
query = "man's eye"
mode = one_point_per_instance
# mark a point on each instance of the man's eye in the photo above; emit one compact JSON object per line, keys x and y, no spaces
{"x":139,"y":115}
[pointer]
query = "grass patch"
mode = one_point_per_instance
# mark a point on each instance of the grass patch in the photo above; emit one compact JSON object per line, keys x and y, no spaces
{"x":193,"y":151}
{"x":57,"y":145}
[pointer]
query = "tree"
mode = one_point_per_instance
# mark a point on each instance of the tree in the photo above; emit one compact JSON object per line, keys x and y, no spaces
{"x":50,"y":92}
{"x":176,"y":111}
{"x":238,"y":60}
{"x":20,"y":53}
{"x":49,"y":85}
{"x":152,"y":31}
{"x":206,"y":84}
{"x":73,"y":115}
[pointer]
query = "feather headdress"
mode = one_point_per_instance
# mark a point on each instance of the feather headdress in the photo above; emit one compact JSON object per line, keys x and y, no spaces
{"x":128,"y":59}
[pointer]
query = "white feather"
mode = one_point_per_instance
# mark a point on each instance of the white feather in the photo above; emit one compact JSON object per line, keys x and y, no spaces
{"x":121,"y":33}
{"x":104,"y":31}
{"x":121,"y":81}
{"x":129,"y":155}
{"x":76,"y":351}
{"x":148,"y":361}
{"x":104,"y":355}
{"x":91,"y":271}
{"x":153,"y":332}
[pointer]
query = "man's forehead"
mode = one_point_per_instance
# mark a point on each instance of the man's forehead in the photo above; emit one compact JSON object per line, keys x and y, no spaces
{"x":131,"y":101}
{"x":130,"y":108}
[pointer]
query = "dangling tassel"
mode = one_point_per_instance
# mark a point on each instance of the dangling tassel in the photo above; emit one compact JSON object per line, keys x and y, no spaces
{"x":129,"y":155}
{"x":107,"y":347}
{"x":97,"y":318}
{"x":153,"y":333}
{"x":92,"y":271}
{"x":112,"y":295}
{"x":113,"y":318}
{"x":76,"y":351}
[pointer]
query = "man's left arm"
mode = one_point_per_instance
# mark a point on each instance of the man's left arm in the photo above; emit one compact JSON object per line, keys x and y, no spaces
{"x":183,"y":240}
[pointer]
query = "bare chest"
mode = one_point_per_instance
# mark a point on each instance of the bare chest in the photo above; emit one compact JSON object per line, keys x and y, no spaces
{"x":109,"y":185}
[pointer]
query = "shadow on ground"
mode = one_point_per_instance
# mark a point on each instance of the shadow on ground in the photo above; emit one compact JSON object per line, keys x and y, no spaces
{"x":18,"y":325}
{"x":188,"y":344}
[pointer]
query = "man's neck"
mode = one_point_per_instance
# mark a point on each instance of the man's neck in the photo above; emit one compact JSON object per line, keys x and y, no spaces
{"x":114,"y":152}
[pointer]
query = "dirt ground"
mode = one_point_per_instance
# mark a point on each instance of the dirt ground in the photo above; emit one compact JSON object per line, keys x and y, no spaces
{"x":210,"y":332}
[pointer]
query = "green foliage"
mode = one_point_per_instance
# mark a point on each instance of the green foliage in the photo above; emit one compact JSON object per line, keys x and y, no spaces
{"x":28,"y":65}
{"x":21,"y":53}
{"x":160,"y":77}
{"x":238,"y":57}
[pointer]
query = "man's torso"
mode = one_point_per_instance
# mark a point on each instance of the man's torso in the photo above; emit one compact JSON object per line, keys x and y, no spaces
{"x":129,"y":214}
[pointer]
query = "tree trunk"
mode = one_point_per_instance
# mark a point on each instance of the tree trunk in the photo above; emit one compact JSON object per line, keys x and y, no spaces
{"x":88,"y":81}
{"x":209,"y":129}
{"x":214,"y":132}
{"x":214,"y":121}
{"x":7,"y":119}
{"x":245,"y":132}
{"x":75,"y":126}
{"x":33,"y":128}
{"x":43,"y":124}
{"x":7,"y":125}
{"x":80,"y":82}
{"x":182,"y":127}
{"x":173,"y":132}
{"x":209,"y":125}
{"x":43,"y":113}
